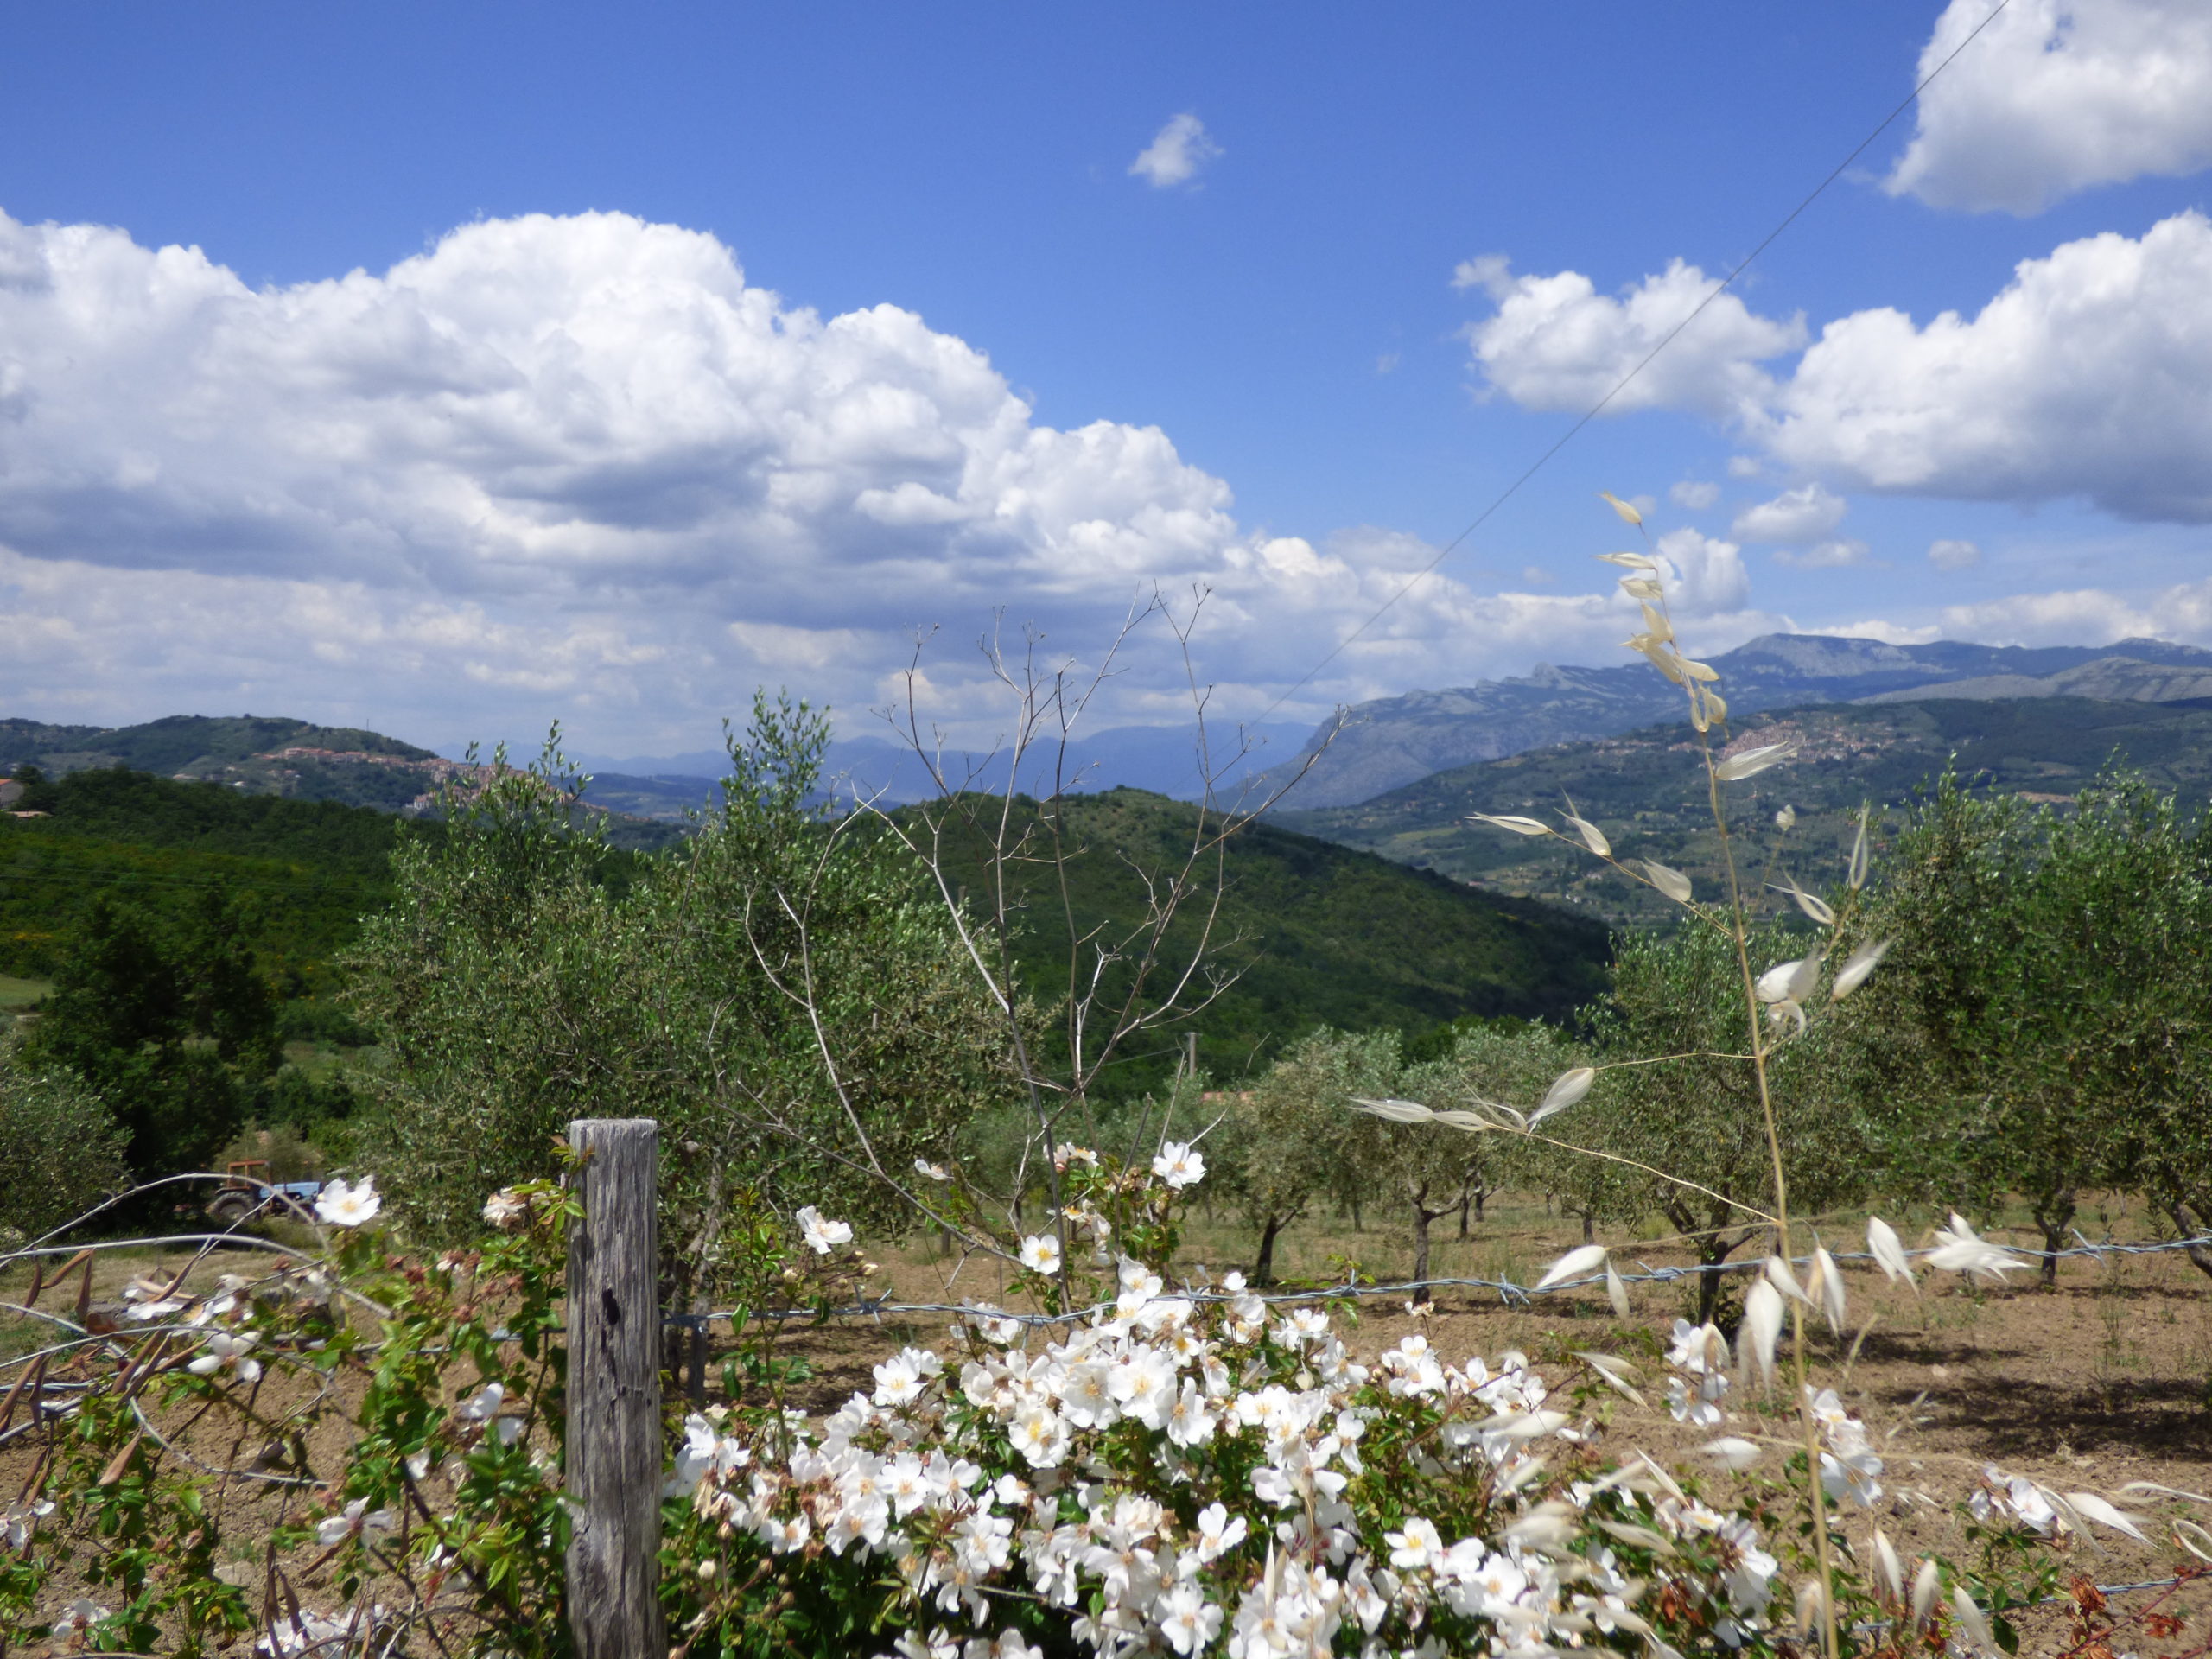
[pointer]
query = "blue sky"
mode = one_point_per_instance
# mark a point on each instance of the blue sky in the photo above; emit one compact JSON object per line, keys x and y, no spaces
{"x":244,"y":484}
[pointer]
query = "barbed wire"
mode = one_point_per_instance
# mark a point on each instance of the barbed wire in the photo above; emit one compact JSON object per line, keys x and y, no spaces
{"x":1507,"y":1291}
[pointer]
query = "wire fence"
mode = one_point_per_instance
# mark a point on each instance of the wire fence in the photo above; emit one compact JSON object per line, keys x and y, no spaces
{"x":49,"y":1397}
{"x":1509,"y":1292}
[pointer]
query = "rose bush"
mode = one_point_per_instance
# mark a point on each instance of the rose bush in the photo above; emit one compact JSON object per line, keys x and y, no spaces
{"x":1144,"y":1466}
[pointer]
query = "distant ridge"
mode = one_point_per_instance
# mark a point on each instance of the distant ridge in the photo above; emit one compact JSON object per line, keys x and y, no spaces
{"x":1646,"y":789}
{"x":1160,"y":759}
{"x":1388,"y":743}
{"x":298,"y":759}
{"x":2108,"y":679}
{"x":255,"y":754}
{"x":1393,"y":741}
{"x":199,"y":743}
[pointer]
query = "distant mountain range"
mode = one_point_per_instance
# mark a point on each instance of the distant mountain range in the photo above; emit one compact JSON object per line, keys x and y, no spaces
{"x":1161,"y":759}
{"x":263,"y":756}
{"x":1384,"y":745}
{"x":1646,"y":789}
{"x":1393,"y":742}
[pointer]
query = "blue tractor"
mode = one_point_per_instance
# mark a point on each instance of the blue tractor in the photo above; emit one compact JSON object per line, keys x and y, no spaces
{"x":246,"y":1196}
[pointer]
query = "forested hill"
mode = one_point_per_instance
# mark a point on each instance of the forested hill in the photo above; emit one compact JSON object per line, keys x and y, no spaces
{"x":179,"y":741}
{"x":119,"y":805}
{"x":1321,"y":933}
{"x":1646,"y":791}
{"x":1315,"y":933}
{"x":304,"y":870}
{"x":258,"y":755}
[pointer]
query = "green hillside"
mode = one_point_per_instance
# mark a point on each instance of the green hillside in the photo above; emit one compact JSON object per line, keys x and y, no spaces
{"x":305,"y":870}
{"x":1646,"y":791}
{"x":1315,"y":932}
{"x":257,"y":754}
{"x":179,"y":741}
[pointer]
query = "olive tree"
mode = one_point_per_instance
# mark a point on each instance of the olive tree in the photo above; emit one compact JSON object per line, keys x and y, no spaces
{"x":1558,"y":1160}
{"x":1287,"y":1143}
{"x":1485,"y":1064}
{"x":1426,"y":1170}
{"x":61,"y":1151}
{"x":1690,"y":1110}
{"x":2050,"y":1000}
{"x":782,"y":991}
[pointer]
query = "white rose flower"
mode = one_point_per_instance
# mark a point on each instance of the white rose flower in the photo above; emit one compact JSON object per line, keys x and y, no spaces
{"x":341,"y":1205}
{"x":822,"y":1235}
{"x":1180,"y":1165}
{"x":503,"y":1208}
{"x":358,"y":1522}
{"x":230,"y":1353}
{"x":1040,"y":1253}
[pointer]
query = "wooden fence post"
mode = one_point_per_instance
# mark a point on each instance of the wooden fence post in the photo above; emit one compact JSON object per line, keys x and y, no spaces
{"x":615,"y":1352}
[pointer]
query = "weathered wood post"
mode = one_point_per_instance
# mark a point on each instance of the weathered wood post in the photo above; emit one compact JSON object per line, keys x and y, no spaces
{"x":614,"y":1337}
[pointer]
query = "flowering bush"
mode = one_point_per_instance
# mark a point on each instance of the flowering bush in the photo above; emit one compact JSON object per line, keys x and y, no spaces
{"x":1171,"y":1473}
{"x":1197,"y":1469}
{"x":1152,"y":1468}
{"x":442,"y":1514}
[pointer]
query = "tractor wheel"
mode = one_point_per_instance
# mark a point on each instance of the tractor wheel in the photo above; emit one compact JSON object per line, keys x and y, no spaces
{"x":231,"y":1209}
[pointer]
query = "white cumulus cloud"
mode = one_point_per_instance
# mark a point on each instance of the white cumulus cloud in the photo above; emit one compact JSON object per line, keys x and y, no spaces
{"x":2084,"y":616}
{"x":1176,"y":153}
{"x":2056,"y":96}
{"x":2090,"y":374}
{"x":1693,"y":494}
{"x":1705,"y":576}
{"x":1892,"y":633}
{"x":548,"y":405}
{"x":581,"y":468}
{"x":1804,"y":514}
{"x":1556,"y":343}
{"x":2181,"y":613}
{"x":1950,"y":554}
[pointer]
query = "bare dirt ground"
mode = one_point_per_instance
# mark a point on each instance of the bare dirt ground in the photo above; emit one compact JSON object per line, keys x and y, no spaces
{"x":2100,"y":1381}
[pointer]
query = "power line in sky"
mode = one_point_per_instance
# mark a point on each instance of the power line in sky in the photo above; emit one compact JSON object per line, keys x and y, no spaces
{"x":1599,"y":408}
